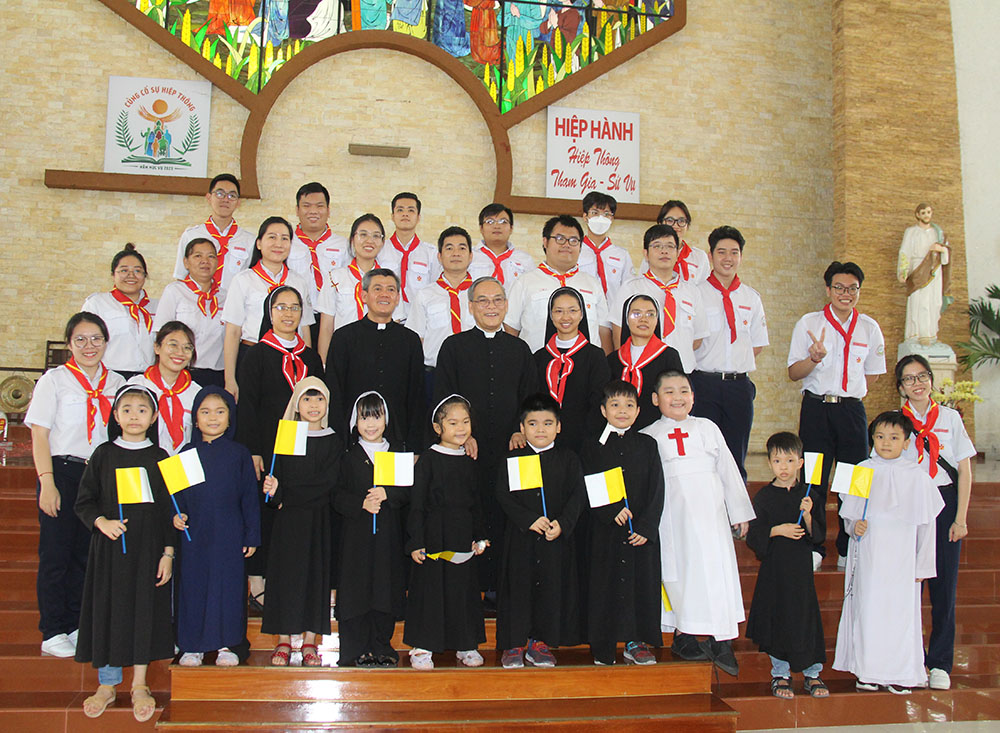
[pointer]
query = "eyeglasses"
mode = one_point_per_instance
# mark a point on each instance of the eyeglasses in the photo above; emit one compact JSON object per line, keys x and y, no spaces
{"x":373,"y":236}
{"x":671,"y":221}
{"x":81,"y":341}
{"x":636,"y":315}
{"x":287,"y":308}
{"x":560,"y":239}
{"x":221,"y":194}
{"x":500,"y":221}
{"x":126,"y":271}
{"x":175,"y":345}
{"x":663,"y":247}
{"x":910,"y":379}
{"x":845,"y":289}
{"x":483,"y":301}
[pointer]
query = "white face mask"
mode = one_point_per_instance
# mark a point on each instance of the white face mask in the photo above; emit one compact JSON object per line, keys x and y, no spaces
{"x":599,"y":224}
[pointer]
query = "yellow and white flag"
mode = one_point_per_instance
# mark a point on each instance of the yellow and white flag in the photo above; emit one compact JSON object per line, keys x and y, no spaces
{"x":133,"y":486}
{"x":814,"y":468}
{"x":291,"y":438}
{"x":664,"y":599}
{"x":456,"y":558}
{"x":182,"y":471}
{"x":605,"y":488}
{"x":524,"y":472}
{"x":393,"y":469}
{"x":852,"y":480}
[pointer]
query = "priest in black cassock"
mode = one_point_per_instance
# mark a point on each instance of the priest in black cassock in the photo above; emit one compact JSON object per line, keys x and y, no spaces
{"x":378,"y":354}
{"x":495,"y":372}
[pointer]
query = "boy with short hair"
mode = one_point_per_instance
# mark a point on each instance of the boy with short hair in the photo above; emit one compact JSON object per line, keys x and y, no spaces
{"x":404,"y":253}
{"x":623,"y":600}
{"x":784,"y":617}
{"x":608,"y":262}
{"x":538,"y":598}
{"x":496,"y":256}
{"x":704,"y":496}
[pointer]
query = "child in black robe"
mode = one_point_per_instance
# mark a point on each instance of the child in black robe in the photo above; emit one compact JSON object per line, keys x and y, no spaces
{"x":538,"y":599}
{"x":298,"y":563}
{"x":125,"y":614}
{"x":445,"y":530}
{"x":371,"y":593}
{"x":784,"y":616}
{"x":624,"y":586}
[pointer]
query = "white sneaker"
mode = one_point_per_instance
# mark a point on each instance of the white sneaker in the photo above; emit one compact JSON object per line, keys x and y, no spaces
{"x":471,"y":658}
{"x":939,"y":680}
{"x":421,"y":659}
{"x":73,"y":636}
{"x":191,"y":659}
{"x":817,"y":561}
{"x":226,"y":658}
{"x":59,"y":646}
{"x":841,"y":562}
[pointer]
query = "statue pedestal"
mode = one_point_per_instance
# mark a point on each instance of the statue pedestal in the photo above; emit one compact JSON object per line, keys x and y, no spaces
{"x":940,"y":356}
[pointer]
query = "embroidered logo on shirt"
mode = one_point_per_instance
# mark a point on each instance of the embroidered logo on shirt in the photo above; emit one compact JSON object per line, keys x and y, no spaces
{"x":745,"y":307}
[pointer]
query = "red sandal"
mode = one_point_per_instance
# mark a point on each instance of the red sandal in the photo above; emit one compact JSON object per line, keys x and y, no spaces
{"x":311,"y":658}
{"x":281,"y":655}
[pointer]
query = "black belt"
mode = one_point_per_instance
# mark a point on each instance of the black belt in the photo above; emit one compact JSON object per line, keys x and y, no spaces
{"x":726,"y":376}
{"x":70,"y":459}
{"x":829,"y":398}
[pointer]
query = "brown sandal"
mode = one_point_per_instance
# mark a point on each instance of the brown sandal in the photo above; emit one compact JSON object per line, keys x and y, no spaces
{"x":311,"y":658}
{"x":95,"y":705}
{"x":281,"y":654}
{"x":143,"y":703}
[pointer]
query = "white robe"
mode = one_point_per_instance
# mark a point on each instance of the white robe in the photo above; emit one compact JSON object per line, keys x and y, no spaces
{"x":923,"y":307}
{"x":704,"y":496}
{"x":879,"y":639}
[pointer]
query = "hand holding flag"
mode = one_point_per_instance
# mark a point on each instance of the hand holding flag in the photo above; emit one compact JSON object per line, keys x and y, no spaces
{"x":814,"y":475}
{"x":290,"y":440}
{"x":391,"y":469}
{"x":525,"y":472}
{"x":133,"y":488}
{"x":608,"y":488}
{"x":180,"y":472}
{"x":853,"y":481}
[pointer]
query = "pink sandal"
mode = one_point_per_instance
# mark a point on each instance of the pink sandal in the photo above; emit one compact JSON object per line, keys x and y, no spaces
{"x":281,"y":655}
{"x":311,"y":658}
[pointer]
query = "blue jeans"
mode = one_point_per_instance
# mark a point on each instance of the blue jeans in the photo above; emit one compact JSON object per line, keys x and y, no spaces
{"x":781,"y":668}
{"x":109,"y":675}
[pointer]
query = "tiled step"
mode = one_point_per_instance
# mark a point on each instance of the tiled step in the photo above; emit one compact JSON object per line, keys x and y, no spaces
{"x":22,"y":667}
{"x":55,"y":712}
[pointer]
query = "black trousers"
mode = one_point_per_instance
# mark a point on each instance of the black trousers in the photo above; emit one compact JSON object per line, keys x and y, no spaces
{"x":369,"y":633}
{"x":63,"y":544}
{"x":729,"y":404}
{"x":838,"y":430}
{"x":205,"y":377}
{"x":942,"y":589}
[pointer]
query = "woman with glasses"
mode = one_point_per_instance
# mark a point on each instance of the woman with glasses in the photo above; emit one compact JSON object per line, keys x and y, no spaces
{"x":692,"y":263}
{"x":942,"y":447}
{"x":68,"y":417}
{"x":128,"y":313}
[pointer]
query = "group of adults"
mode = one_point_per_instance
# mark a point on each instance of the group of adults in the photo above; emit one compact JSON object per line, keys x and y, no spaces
{"x":419,"y":320}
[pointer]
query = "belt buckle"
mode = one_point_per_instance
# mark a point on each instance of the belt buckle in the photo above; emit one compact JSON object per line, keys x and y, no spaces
{"x":831,"y":398}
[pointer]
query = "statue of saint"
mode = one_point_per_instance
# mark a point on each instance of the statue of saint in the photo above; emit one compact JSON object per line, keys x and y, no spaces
{"x":923,"y":266}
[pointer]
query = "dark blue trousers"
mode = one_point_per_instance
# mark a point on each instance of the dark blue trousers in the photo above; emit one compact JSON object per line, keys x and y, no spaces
{"x":942,"y":589}
{"x":729,"y":404}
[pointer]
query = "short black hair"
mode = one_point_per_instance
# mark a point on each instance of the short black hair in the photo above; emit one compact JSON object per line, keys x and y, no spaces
{"x":404,"y":195}
{"x":539,"y":402}
{"x":667,"y":374}
{"x":659,"y":231}
{"x":189,"y":247}
{"x":891,"y":417}
{"x":256,"y":255}
{"x":784,"y":442}
{"x":224,"y":177}
{"x":312,"y":392}
{"x":673,"y":204}
{"x":911,"y":359}
{"x":128,"y":251}
{"x":441,"y":411}
{"x":176,"y":327}
{"x":309,"y":188}
{"x":361,"y":220}
{"x":493,"y":210}
{"x":725,"y":232}
{"x":619,"y":388}
{"x":600,"y":200}
{"x":85,"y":317}
{"x":454,"y":232}
{"x":843,"y":268}
{"x":565,"y":220}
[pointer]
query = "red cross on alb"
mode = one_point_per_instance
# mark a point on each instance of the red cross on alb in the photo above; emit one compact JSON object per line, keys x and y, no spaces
{"x":678,"y":436}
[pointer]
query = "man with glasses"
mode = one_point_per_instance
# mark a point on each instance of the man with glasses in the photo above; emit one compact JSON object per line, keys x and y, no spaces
{"x":233,"y":243}
{"x":682,"y":313}
{"x":495,"y":372}
{"x":562,"y":237}
{"x":496,"y":256}
{"x":836,"y":353}
{"x":692,"y":264}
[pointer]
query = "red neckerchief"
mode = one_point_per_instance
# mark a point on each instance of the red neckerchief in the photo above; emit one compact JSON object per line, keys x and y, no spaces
{"x":356,"y":273}
{"x":223,"y":241}
{"x":828,"y":312}
{"x":632,"y":373}
{"x":925,"y":431}
{"x":454,"y":305}
{"x":669,"y":304}
{"x":95,"y":396}
{"x":208,"y":303}
{"x":135,"y":309}
{"x":681,"y":266}
{"x":311,"y":245}
{"x":170,"y":407}
{"x":600,"y":263}
{"x":292,"y":365}
{"x":497,"y":260}
{"x":404,"y":263}
{"x":266,"y":276}
{"x":727,"y":302}
{"x":561,"y":365}
{"x":561,"y":278}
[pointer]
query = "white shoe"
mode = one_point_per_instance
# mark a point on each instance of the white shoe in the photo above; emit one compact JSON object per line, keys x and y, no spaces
{"x":841,"y":562}
{"x":471,"y":658}
{"x":191,"y":659}
{"x":226,"y":658}
{"x":73,"y":636}
{"x":817,"y":561}
{"x":421,"y":659}
{"x":939,"y":680}
{"x":59,"y":646}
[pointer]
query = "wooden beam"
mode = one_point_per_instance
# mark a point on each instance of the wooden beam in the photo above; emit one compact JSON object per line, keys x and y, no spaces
{"x":553,"y":207}
{"x":130,"y":183}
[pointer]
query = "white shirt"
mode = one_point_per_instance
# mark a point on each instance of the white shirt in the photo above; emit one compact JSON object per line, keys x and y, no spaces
{"x":130,"y":345}
{"x":422,"y":268}
{"x":241,"y":246}
{"x":513,"y":267}
{"x":430,"y":318}
{"x":245,"y":304}
{"x":716,"y":353}
{"x":956,"y":445}
{"x":332,"y":253}
{"x":179,"y":303}
{"x":618,"y":266}
{"x":866,"y":356}
{"x":699,"y":266}
{"x":60,"y":404}
{"x":690,"y":324}
{"x":337,"y":299}
{"x":528,"y":305}
{"x":187,"y":401}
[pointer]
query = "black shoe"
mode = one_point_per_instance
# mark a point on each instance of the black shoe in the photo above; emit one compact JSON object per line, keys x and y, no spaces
{"x":385,"y":660}
{"x":687,"y":647}
{"x":721,"y":654}
{"x":366,"y":660}
{"x":256,"y":607}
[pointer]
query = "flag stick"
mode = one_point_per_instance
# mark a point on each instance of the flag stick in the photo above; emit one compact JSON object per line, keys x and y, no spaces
{"x":630,"y":530}
{"x":121,"y":518}
{"x":374,"y":523}
{"x":803,"y":511}
{"x":545,"y":512}
{"x":178,"y":510}
{"x":274,"y":456}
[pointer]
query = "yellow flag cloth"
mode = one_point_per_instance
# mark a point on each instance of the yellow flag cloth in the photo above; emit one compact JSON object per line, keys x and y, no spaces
{"x":663,"y":597}
{"x":393,"y":469}
{"x":814,"y":468}
{"x":524,"y":472}
{"x":456,"y":558}
{"x":605,"y":488}
{"x":133,"y":486}
{"x":291,"y":438}
{"x":852,"y":480}
{"x":182,"y":471}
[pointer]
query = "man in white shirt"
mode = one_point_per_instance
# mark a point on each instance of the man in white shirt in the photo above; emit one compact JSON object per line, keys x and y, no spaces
{"x":404,"y":253}
{"x":723,"y":391}
{"x":527,"y":314}
{"x":608,"y":262}
{"x":836,"y":353}
{"x":496,"y":256}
